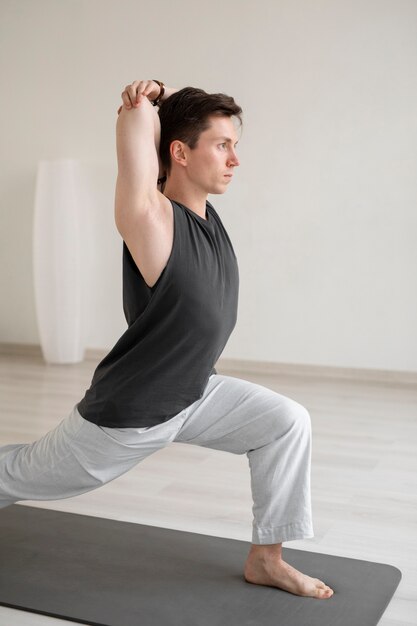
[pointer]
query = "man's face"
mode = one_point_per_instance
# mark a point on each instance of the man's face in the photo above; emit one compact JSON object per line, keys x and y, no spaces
{"x":212,"y":162}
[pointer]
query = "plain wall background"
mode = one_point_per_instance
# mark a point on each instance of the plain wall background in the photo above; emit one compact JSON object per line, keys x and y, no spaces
{"x":321,"y":212}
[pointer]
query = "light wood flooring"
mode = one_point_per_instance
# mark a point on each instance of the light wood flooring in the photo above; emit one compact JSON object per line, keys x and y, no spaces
{"x":364,"y":471}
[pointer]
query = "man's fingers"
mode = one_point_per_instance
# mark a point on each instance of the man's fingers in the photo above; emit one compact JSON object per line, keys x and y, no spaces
{"x":137,"y":89}
{"x":142,"y":89}
{"x":126,"y":99}
{"x":133,"y":93}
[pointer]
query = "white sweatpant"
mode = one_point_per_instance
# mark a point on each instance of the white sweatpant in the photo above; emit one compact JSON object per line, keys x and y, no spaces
{"x":233,"y":415}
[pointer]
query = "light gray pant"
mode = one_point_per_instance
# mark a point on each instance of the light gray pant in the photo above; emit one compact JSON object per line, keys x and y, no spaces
{"x":233,"y":415}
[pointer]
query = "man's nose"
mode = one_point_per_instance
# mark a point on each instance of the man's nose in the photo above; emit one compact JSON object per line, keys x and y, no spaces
{"x":234,"y":158}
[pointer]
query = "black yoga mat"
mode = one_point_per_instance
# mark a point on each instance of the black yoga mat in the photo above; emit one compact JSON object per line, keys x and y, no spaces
{"x":111,"y":573}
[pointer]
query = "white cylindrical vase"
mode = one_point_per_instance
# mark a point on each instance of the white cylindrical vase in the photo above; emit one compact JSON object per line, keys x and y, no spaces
{"x":57,"y":261}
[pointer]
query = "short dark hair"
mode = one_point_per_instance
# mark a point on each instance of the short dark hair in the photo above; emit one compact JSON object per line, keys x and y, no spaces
{"x":185,"y":115}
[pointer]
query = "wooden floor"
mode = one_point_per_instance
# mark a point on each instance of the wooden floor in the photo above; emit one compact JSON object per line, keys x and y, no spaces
{"x":364,"y":471}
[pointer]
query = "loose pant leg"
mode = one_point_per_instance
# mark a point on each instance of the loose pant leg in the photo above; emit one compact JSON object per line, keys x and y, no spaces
{"x":75,"y":457}
{"x":274,"y":432}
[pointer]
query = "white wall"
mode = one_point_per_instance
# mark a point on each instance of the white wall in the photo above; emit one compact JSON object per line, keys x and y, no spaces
{"x":322,"y":211}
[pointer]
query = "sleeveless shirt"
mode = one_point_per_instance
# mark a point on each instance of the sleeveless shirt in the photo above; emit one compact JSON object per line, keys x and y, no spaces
{"x":177,"y":329}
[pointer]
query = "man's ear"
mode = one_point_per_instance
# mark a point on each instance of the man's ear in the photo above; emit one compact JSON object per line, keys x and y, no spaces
{"x":178,"y":153}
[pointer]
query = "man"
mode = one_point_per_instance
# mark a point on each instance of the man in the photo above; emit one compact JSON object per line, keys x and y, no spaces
{"x":180,"y":292}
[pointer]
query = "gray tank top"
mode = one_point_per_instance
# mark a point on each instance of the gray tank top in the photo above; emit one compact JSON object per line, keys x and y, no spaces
{"x":177,"y":329}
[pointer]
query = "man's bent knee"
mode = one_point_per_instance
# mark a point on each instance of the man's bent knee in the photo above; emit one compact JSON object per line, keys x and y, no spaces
{"x":298,"y":419}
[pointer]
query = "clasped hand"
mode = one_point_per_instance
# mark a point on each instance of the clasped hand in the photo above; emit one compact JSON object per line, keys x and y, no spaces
{"x":133,"y":94}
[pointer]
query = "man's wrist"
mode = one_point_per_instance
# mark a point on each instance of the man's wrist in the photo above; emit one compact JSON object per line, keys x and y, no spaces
{"x":168,"y":91}
{"x":158,"y":98}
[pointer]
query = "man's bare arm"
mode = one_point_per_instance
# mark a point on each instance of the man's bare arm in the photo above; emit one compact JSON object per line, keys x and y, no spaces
{"x":138,"y":132}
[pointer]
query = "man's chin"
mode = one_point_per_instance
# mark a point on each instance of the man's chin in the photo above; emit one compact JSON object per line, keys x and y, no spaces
{"x":218,"y":190}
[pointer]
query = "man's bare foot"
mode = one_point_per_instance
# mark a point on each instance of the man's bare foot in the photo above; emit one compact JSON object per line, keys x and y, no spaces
{"x":274,"y":572}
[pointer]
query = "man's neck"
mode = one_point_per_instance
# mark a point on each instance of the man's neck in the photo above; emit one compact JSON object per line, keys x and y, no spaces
{"x":194,"y":200}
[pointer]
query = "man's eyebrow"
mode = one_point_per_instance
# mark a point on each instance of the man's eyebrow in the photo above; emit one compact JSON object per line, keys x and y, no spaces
{"x":226,"y":139}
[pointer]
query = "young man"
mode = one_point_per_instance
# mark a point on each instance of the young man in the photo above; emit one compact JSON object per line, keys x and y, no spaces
{"x":180,"y":293}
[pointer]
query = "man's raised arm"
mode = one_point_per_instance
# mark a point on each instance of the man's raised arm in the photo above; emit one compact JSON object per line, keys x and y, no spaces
{"x":138,"y":132}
